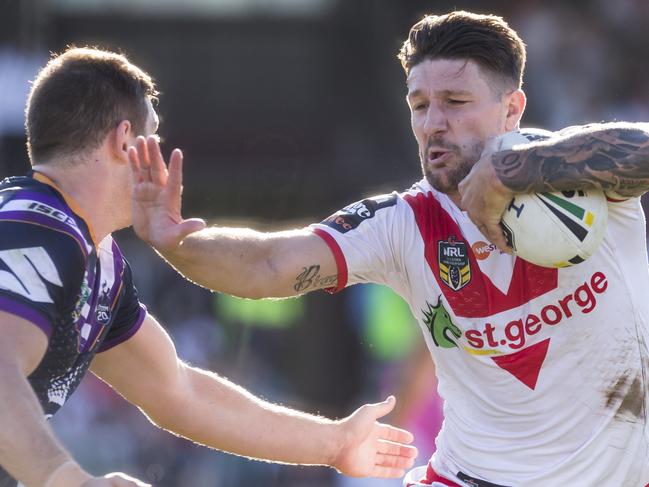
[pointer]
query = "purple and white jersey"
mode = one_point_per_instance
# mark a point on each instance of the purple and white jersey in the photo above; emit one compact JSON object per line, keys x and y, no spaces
{"x":52,"y":273}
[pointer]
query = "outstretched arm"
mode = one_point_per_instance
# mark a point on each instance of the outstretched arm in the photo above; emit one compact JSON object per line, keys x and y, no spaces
{"x":237,"y":261}
{"x":28,"y":447}
{"x":29,"y":451}
{"x":613,"y":157}
{"x":212,"y":411}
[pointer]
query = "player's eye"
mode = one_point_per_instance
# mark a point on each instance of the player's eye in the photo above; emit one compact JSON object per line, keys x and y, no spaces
{"x":456,"y":102}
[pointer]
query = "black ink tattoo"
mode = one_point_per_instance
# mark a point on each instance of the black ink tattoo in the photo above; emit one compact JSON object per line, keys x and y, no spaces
{"x":310,"y":279}
{"x":613,"y":157}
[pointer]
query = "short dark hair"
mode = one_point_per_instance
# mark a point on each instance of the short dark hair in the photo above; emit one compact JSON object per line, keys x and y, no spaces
{"x":485,"y":39}
{"x":79,"y":96}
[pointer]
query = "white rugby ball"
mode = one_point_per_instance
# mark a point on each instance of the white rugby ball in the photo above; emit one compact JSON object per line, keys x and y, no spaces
{"x":553,"y":229}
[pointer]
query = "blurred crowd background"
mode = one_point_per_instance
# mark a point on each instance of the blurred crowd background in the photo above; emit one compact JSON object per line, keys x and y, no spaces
{"x":288,"y":110}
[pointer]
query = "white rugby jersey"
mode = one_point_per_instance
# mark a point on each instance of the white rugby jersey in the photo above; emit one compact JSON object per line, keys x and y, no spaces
{"x":543,"y":371}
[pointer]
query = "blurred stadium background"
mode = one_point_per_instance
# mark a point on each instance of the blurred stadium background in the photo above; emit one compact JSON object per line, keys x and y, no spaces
{"x":288,"y":110}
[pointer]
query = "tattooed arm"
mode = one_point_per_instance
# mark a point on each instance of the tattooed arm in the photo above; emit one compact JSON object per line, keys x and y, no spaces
{"x":252,"y":264}
{"x":612,"y":157}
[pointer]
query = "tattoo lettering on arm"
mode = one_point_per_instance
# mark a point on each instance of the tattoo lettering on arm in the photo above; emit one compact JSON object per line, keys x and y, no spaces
{"x":310,"y":279}
{"x":613,"y":157}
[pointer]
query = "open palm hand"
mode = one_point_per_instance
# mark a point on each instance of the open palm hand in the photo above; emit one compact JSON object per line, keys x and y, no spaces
{"x":374,"y":449}
{"x":157,"y":191}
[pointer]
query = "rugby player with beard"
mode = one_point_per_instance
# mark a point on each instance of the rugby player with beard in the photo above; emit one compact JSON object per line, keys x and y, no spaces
{"x":543,"y":371}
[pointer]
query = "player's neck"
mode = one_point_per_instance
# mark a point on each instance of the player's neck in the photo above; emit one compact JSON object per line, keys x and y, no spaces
{"x":90,"y":187}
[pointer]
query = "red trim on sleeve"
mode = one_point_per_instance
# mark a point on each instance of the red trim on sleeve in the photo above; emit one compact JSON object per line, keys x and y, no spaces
{"x":341,"y":263}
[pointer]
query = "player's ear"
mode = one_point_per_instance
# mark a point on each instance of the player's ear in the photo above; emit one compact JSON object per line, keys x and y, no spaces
{"x":122,"y":136}
{"x":516,"y":102}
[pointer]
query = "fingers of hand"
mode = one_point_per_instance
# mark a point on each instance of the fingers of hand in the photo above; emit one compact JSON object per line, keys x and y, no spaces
{"x":380,"y":409}
{"x":495,"y":235}
{"x":396,"y":449}
{"x":158,"y":166}
{"x":175,"y":178}
{"x":139,"y":157}
{"x":189,"y":226}
{"x":393,"y":458}
{"x":143,"y":152}
{"x":394,"y":461}
{"x":461,"y":188}
{"x":499,"y":240}
{"x":134,"y":159}
{"x":391,"y":466}
{"x":397,"y":435}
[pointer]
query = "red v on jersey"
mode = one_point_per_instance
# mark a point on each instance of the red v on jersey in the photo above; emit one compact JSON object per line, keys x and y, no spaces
{"x":479,"y":297}
{"x":525,"y":364}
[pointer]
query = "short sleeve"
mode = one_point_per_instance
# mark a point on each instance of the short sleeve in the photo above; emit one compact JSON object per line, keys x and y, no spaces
{"x":39,"y":268}
{"x":365,"y":240}
{"x":129,"y":316}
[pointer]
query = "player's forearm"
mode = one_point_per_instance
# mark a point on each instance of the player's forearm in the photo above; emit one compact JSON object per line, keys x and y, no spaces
{"x":212,"y":256}
{"x":612,"y":157}
{"x":29,"y":450}
{"x":237,"y":261}
{"x":219,"y":414}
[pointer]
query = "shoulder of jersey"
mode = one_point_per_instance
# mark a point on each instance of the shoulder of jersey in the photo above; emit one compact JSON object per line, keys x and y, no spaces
{"x":351,"y":216}
{"x":421,"y":186}
{"x":23,"y":199}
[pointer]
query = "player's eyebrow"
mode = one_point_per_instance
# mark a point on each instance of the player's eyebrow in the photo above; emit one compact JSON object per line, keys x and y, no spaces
{"x":440,"y":93}
{"x":445,"y":93}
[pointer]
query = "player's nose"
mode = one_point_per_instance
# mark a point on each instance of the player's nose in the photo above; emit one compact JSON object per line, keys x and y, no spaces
{"x":435,"y":121}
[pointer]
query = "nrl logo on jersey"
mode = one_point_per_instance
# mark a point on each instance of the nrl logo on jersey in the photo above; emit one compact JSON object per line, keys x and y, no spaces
{"x":453,"y":259}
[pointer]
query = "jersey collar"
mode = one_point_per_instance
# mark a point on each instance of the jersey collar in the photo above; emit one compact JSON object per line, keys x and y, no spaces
{"x":38,"y":176}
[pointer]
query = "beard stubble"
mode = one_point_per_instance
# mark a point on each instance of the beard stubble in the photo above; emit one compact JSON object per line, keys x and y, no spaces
{"x":448,"y":181}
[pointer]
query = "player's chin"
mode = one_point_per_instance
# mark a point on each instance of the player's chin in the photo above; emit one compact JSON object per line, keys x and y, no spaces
{"x":446,"y":180}
{"x":441,"y":182}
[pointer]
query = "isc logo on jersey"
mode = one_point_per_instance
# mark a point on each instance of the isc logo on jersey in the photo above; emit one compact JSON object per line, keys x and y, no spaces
{"x":40,"y":208}
{"x":353,"y":215}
